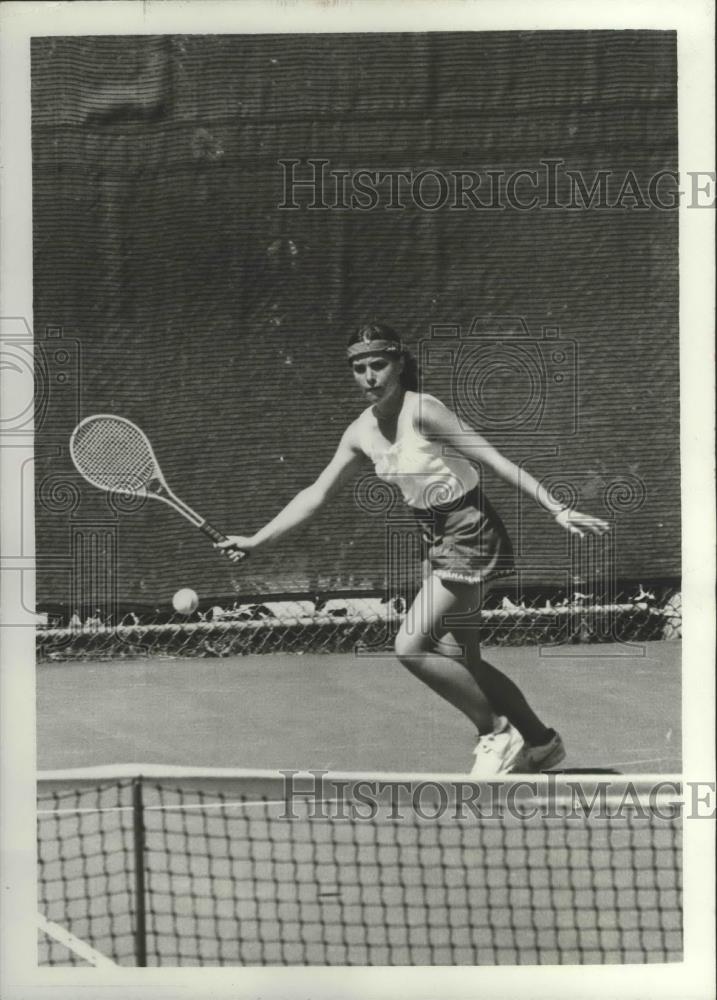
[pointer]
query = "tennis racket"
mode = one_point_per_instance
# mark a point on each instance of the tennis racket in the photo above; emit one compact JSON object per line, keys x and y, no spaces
{"x":113,"y":454}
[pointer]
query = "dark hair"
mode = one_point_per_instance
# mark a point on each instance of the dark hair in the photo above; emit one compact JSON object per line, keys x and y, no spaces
{"x":410,"y":376}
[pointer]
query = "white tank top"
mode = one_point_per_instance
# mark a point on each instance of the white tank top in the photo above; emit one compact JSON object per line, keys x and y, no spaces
{"x":418,"y":467}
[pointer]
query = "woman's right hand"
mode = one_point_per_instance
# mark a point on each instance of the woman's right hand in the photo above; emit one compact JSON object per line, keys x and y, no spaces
{"x":236,"y":547}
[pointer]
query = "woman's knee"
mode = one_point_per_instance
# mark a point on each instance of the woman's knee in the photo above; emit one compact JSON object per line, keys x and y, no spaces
{"x":411,"y":649}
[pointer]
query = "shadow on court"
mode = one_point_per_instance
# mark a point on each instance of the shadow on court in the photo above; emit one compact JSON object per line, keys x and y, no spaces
{"x":351,"y":713}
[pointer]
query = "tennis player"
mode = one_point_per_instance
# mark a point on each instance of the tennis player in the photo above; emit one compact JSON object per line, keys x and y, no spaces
{"x":411,"y":438}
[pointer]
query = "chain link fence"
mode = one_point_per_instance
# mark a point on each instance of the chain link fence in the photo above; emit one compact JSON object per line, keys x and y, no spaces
{"x":351,"y":622}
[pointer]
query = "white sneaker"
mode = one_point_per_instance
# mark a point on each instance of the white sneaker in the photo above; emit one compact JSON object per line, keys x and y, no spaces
{"x":497,"y":752}
{"x":532,"y":759}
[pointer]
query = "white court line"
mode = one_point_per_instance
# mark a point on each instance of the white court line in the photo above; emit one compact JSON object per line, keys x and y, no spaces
{"x":74,"y":944}
{"x":646,"y":760}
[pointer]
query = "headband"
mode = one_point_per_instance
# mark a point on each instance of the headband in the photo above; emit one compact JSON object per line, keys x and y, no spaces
{"x":372,"y":347}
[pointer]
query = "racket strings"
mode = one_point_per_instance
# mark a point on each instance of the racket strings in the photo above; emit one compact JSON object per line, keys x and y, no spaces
{"x":114,"y":455}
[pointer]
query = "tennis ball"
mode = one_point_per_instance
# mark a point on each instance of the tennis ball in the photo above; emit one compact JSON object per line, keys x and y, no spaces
{"x":185,"y":601}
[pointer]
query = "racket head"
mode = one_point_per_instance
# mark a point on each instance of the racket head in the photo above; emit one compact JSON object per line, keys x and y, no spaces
{"x":113,"y":454}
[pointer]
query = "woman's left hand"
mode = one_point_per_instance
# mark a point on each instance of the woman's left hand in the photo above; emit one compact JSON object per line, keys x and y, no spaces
{"x":581,"y":524}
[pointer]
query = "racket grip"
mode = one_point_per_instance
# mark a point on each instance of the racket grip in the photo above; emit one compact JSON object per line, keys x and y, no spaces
{"x":211,"y":532}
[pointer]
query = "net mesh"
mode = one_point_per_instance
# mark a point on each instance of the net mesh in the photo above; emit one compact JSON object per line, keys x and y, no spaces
{"x":85,"y":860}
{"x":113,"y":454}
{"x":245,"y":879}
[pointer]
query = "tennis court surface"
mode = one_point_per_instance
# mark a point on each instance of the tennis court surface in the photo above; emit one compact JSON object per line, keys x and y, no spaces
{"x":616,"y":706}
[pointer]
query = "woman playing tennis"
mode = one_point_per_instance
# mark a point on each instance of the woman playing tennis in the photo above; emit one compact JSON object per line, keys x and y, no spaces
{"x":408,"y":435}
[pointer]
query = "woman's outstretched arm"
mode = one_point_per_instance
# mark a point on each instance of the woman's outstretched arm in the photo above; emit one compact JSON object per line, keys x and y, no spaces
{"x":344,"y":465}
{"x":439,"y":423}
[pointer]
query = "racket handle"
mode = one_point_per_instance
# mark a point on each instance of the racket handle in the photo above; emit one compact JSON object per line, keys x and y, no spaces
{"x":211,"y":532}
{"x":216,"y":536}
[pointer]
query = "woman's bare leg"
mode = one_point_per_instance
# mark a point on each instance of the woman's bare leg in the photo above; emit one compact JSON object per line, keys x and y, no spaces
{"x":416,"y":648}
{"x":444,"y":610}
{"x":503,"y":694}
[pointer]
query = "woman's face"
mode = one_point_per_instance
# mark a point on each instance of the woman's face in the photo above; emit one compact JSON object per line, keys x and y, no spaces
{"x":378,"y":376}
